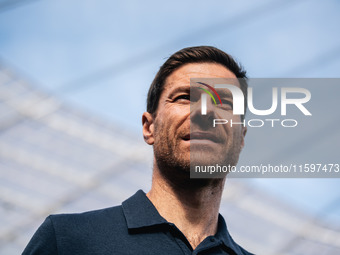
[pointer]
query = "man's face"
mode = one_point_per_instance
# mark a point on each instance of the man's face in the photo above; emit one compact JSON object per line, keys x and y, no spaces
{"x":178,"y":127}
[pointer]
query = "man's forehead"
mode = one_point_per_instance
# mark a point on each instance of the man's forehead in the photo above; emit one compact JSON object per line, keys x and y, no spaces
{"x":202,"y":70}
{"x":187,"y":84}
{"x":183,"y":75}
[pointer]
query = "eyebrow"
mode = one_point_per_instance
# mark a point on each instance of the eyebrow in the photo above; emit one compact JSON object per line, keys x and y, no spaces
{"x":224,"y":93}
{"x":180,"y":89}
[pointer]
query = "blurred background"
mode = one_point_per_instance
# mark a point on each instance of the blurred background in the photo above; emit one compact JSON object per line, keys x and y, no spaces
{"x":73,"y":82}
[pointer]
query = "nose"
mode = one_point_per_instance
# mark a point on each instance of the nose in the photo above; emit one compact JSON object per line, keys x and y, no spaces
{"x":202,"y":110}
{"x":206,"y":104}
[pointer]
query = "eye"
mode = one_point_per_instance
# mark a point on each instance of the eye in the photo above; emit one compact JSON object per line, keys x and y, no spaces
{"x":227,"y":104}
{"x":183,"y":97}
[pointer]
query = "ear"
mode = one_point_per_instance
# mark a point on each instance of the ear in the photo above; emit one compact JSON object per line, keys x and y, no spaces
{"x":244,"y":132}
{"x":148,"y":128}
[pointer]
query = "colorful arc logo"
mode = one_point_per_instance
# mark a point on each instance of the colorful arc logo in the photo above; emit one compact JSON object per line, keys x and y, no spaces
{"x":208,"y":92}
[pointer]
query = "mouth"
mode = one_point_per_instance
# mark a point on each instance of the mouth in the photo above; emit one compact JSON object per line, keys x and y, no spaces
{"x":201,"y":137}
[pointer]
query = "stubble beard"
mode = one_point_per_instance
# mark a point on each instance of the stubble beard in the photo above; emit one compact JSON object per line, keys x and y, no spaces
{"x":168,"y":154}
{"x":172,"y":162}
{"x":174,"y":165}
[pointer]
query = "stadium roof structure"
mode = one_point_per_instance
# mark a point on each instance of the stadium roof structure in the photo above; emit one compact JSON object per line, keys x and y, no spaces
{"x":54,"y":158}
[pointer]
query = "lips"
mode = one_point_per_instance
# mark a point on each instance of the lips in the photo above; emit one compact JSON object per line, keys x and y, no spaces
{"x":201,"y":136}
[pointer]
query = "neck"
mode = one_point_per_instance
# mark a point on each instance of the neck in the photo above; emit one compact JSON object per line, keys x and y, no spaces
{"x":192,"y":208}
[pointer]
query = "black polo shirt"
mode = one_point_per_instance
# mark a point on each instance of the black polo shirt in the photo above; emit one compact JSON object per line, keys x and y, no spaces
{"x":135,"y":227}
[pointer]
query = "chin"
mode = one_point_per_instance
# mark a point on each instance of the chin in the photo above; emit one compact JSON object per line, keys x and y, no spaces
{"x":206,"y":160}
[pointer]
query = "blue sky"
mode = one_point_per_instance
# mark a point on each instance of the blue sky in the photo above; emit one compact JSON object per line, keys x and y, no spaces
{"x":101,"y":56}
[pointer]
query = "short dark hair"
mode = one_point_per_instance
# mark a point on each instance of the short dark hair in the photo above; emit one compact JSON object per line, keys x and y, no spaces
{"x":199,"y":54}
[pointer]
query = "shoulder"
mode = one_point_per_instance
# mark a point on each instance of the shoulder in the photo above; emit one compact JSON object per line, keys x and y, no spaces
{"x":106,"y":214}
{"x":81,"y":223}
{"x":61,"y":233}
{"x":43,"y":240}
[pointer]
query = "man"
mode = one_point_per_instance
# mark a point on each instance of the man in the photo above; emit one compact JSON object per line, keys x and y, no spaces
{"x":179,"y":215}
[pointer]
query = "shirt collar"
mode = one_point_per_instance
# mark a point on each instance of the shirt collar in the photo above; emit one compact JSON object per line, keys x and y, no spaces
{"x":223,"y":235}
{"x":140,"y":212}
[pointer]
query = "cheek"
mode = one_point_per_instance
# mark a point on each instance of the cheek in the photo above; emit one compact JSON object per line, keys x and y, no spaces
{"x":176,"y":116}
{"x":238,"y":136}
{"x":162,"y":129}
{"x":227,"y":115}
{"x":234,"y":131}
